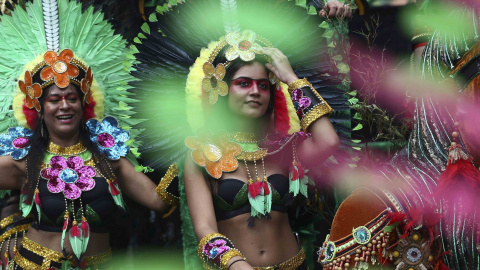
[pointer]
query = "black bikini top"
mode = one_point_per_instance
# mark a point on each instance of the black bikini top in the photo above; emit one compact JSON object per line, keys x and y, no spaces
{"x":231,"y":199}
{"x":98,"y":206}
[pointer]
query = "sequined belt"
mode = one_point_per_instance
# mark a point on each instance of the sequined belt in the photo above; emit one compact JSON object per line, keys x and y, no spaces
{"x":33,"y":256}
{"x":364,"y":241}
{"x":292,"y":263}
{"x":13,"y":224}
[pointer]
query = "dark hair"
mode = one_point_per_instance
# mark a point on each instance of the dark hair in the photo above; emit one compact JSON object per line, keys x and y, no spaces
{"x":40,"y":142}
{"x":221,"y":107}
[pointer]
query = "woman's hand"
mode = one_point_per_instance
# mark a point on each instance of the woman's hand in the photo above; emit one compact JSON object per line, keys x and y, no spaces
{"x":280,"y":66}
{"x":336,"y":9}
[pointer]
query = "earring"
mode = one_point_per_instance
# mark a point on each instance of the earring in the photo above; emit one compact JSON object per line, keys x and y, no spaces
{"x":41,"y":129}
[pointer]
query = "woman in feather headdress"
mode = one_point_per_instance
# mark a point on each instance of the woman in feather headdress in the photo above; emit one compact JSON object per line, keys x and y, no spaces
{"x":245,"y":155}
{"x":70,"y":167}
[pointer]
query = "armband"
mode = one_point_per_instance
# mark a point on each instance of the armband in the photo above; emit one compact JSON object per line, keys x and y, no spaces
{"x":167,"y":189}
{"x":215,"y":250}
{"x":307,"y":102}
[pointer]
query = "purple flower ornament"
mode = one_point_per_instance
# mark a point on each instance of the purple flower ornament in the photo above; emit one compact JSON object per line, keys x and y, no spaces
{"x":69,"y":175}
{"x":213,"y":250}
{"x":300,"y":102}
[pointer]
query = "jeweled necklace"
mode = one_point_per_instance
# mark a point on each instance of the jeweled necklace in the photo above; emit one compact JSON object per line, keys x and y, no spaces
{"x":259,"y":190}
{"x":249,"y":144}
{"x":78,"y":149}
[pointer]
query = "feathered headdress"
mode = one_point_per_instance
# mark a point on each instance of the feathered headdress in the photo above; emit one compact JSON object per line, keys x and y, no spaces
{"x":54,"y":42}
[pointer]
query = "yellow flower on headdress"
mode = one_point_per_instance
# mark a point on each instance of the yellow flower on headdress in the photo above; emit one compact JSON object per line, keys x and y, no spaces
{"x":242,"y":45}
{"x":87,"y":85}
{"x":32,"y":92}
{"x":215,"y":153}
{"x":213,"y":83}
{"x":59,"y":67}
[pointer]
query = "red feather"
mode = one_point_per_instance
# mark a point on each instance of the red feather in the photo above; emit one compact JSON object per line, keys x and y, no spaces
{"x":461,"y":176}
{"x":85,"y":228}
{"x":113,"y":189}
{"x":266,"y":189}
{"x":254,"y":189}
{"x":282,"y":120}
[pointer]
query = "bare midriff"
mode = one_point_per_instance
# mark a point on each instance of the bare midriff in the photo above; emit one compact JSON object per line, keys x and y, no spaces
{"x":269,"y":242}
{"x":98,"y":242}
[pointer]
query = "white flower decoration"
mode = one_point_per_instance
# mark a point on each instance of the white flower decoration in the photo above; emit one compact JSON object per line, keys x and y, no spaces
{"x":242,"y":45}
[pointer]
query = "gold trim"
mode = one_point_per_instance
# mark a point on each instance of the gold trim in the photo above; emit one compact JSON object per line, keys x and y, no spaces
{"x":55,"y":256}
{"x":20,"y":228}
{"x":8,"y":220}
{"x":205,"y":240}
{"x":99,"y":258}
{"x":165,"y":183}
{"x":46,"y":253}
{"x":246,"y":137}
{"x":229,"y":255}
{"x":291,"y":264}
{"x":66,"y":151}
{"x":26,"y":264}
{"x":297,"y":84}
{"x":320,"y":109}
{"x":315,"y":113}
{"x":251,"y":156}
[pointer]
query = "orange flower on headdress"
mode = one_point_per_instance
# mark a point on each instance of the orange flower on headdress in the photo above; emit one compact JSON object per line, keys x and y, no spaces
{"x":32,"y":92}
{"x":59,"y":67}
{"x":213,"y":83}
{"x":87,"y":85}
{"x":215,"y":153}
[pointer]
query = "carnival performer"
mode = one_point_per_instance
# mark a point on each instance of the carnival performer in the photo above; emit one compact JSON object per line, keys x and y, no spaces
{"x":248,"y":159}
{"x":70,"y":167}
{"x":257,"y":224}
{"x":423,"y":212}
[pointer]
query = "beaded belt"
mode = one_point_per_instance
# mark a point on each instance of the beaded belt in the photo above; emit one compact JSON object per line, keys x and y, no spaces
{"x":33,"y":256}
{"x":291,"y":264}
{"x":363,"y":243}
{"x":13,"y":224}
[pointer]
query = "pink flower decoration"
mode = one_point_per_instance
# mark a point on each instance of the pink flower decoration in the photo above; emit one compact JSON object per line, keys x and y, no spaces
{"x":69,"y":175}
{"x":213,"y":250}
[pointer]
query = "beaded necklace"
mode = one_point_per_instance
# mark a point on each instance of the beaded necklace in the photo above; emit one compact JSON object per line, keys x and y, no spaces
{"x":259,"y":190}
{"x":71,"y":170}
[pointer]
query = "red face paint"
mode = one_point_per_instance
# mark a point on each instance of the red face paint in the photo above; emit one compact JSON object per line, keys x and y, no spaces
{"x":247,"y":83}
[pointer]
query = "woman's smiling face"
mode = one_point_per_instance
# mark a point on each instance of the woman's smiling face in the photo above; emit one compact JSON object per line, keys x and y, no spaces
{"x":249,"y":93}
{"x":62,"y":111}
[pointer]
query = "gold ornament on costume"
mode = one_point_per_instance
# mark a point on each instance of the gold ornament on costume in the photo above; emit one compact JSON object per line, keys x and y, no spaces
{"x":215,"y":153}
{"x":59,"y":67}
{"x":86,"y":85}
{"x":242,"y":45}
{"x":213,"y":83}
{"x":32,"y":91}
